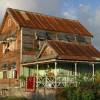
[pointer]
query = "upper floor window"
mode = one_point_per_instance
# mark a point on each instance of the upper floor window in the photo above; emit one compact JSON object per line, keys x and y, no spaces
{"x":41,"y":35}
{"x":88,"y":40}
{"x":80,"y":39}
{"x":66,"y":37}
{"x":83,"y":39}
{"x":9,"y":46}
{"x":50,"y":35}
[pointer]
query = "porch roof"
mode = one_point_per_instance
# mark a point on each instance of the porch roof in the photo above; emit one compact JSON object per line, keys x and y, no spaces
{"x":73,"y":51}
{"x":68,"y":52}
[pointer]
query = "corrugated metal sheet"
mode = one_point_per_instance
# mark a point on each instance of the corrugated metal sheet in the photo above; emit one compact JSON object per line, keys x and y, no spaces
{"x":45,"y":22}
{"x":72,"y":51}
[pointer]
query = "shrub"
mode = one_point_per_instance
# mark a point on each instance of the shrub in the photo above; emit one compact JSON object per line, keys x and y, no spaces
{"x":87,"y":88}
{"x":88,"y":95}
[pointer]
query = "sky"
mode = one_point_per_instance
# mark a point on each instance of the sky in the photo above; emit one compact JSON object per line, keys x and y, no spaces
{"x":86,"y":11}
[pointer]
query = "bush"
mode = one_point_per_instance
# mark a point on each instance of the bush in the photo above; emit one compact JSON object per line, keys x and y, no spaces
{"x":88,"y":95}
{"x":87,"y":88}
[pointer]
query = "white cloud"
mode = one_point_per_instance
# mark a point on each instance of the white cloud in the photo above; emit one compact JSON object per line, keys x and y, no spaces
{"x":51,"y":7}
{"x":70,"y":14}
{"x":91,"y":21}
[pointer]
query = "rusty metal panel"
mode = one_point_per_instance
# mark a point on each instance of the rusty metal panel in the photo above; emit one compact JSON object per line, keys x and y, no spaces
{"x":73,"y":51}
{"x":51,"y":23}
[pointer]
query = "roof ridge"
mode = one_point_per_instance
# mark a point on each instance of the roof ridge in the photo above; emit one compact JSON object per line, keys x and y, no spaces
{"x":44,"y":15}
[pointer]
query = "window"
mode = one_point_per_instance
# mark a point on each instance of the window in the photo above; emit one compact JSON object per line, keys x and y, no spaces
{"x":50,"y":36}
{"x":9,"y":46}
{"x":4,"y":74}
{"x":81,"y":39}
{"x":41,"y":35}
{"x":66,"y":37}
{"x":88,"y":40}
{"x":14,"y":73}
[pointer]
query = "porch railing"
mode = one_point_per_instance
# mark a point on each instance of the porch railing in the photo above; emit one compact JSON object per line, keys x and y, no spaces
{"x":54,"y":82}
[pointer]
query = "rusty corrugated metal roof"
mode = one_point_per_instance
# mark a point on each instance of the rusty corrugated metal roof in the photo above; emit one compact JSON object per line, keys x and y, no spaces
{"x":50,"y":23}
{"x":73,"y":51}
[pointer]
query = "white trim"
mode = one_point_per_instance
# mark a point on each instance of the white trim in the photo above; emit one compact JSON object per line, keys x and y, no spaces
{"x":55,"y":74}
{"x":53,"y":60}
{"x":75,"y":69}
{"x":39,"y":62}
{"x":93,"y":69}
{"x":37,"y":74}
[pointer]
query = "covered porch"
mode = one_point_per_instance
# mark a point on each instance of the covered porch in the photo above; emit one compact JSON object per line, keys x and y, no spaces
{"x":59,"y":73}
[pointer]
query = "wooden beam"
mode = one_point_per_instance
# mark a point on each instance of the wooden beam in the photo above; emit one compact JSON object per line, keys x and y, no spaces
{"x":37,"y":74}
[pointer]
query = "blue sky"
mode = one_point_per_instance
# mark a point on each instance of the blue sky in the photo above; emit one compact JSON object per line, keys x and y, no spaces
{"x":87,"y":11}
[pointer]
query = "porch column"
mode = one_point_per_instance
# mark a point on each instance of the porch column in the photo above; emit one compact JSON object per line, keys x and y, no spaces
{"x":75,"y":74}
{"x":37,"y":74}
{"x":93,"y":73}
{"x":75,"y":69}
{"x":55,"y":74}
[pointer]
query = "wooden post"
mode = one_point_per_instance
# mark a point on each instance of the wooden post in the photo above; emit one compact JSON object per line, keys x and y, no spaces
{"x":75,"y":69}
{"x":55,"y":74}
{"x":93,"y":73}
{"x":76,"y":73}
{"x":37,"y":75}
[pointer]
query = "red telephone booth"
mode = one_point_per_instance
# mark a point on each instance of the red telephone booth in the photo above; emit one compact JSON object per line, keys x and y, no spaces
{"x":31,"y":84}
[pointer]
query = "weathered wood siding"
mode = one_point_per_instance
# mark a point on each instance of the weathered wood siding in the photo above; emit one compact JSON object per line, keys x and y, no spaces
{"x":6,"y":27}
{"x":9,"y":26}
{"x":27,"y":45}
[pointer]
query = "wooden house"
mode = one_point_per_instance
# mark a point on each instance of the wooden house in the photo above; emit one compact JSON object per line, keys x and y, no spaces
{"x":48,"y":47}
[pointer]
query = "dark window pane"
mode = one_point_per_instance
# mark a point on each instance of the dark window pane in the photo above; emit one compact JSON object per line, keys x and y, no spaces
{"x":5,"y":74}
{"x":41,"y":35}
{"x":50,"y":36}
{"x":65,"y":37}
{"x":81,"y":39}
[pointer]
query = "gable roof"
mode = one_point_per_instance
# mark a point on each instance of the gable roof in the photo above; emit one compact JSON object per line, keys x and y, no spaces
{"x":73,"y":51}
{"x":44,"y":22}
